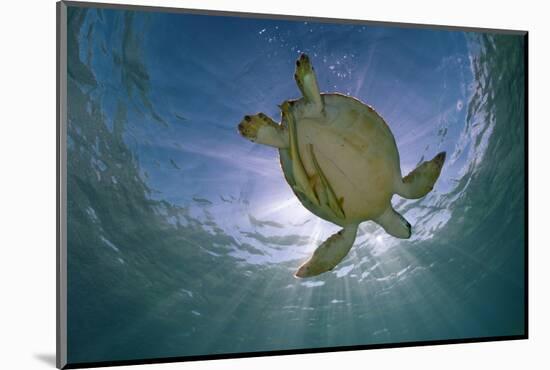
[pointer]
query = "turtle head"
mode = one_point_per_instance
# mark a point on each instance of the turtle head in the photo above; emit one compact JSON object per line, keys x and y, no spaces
{"x":286,"y":106}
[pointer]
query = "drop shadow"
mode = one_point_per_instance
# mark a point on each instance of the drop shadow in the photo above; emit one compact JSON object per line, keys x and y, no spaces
{"x":47,"y":358}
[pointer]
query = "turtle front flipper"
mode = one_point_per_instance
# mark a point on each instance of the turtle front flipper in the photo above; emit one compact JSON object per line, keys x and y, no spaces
{"x":330,"y":253}
{"x":422,"y":179}
{"x":332,"y":202}
{"x":303,"y":182}
{"x":261,"y":129}
{"x":307,"y":83}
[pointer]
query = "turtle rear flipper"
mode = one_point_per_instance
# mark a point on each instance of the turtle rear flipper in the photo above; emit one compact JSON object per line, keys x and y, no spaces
{"x":330,"y":253}
{"x":422,"y":179}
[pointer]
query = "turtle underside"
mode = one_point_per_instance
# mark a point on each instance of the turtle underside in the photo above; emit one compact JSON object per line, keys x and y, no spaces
{"x":355,"y":150}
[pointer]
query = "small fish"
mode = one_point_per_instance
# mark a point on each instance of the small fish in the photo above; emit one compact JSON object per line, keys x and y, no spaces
{"x":174,"y":164}
{"x":180,"y":117}
{"x":225,"y":200}
{"x":202,"y":201}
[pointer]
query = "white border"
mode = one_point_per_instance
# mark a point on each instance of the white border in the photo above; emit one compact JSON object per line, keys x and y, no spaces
{"x":27,"y":32}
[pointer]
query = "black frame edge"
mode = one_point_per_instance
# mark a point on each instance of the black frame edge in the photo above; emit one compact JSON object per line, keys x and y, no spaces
{"x":526,"y":181}
{"x":226,"y":356}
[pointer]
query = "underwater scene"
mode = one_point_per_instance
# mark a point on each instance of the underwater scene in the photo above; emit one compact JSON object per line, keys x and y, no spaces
{"x":183,"y":237}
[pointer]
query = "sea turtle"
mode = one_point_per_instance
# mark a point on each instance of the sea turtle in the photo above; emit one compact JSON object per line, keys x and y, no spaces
{"x":340,"y":158}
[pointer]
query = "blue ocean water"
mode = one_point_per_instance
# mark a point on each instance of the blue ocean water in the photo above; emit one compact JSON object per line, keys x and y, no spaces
{"x":183,"y":237}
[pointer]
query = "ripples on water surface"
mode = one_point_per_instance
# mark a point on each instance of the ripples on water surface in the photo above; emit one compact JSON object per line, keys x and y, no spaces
{"x":183,"y":236}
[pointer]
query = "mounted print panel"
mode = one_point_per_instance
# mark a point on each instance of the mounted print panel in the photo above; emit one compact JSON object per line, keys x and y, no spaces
{"x":237,"y":184}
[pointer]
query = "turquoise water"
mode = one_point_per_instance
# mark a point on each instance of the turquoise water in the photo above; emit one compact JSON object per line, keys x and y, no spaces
{"x":183,"y":237}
